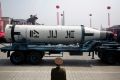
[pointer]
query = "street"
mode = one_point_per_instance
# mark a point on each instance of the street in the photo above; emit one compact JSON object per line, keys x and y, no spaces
{"x":77,"y":68}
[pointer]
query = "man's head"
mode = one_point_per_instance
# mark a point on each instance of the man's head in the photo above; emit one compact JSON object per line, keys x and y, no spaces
{"x":58,"y":61}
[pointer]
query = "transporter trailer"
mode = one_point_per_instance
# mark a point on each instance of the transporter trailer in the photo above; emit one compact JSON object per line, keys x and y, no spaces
{"x":30,"y":43}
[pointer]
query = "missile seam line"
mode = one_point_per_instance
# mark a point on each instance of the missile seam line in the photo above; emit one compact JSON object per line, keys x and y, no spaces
{"x":12,"y":33}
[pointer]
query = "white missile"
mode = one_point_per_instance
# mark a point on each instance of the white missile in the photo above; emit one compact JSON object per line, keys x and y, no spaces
{"x":52,"y":34}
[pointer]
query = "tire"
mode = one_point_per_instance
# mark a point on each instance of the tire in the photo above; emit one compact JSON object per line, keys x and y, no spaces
{"x":17,"y":58}
{"x":110,"y":59}
{"x":107,"y":57}
{"x":101,"y":55}
{"x":41,"y":55}
{"x":34,"y":58}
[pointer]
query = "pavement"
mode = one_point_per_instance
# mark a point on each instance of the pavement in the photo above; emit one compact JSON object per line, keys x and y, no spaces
{"x":77,"y":68}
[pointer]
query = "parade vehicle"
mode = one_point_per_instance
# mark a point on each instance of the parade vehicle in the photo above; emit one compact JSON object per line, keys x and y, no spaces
{"x":30,"y":43}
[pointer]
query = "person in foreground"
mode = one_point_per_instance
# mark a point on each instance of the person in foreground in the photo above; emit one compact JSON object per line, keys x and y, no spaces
{"x":58,"y":73}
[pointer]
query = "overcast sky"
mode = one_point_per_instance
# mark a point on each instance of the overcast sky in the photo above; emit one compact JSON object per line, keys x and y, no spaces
{"x":76,"y":11}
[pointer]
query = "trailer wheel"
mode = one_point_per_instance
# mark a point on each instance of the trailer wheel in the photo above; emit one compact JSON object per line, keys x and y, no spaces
{"x":17,"y":58}
{"x":101,"y":55}
{"x":107,"y":57}
{"x":34,"y":58}
{"x":41,"y":54}
{"x":110,"y":59}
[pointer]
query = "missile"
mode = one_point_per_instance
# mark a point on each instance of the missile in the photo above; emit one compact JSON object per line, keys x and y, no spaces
{"x":52,"y":34}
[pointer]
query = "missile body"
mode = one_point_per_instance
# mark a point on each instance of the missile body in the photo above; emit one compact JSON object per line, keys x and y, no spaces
{"x":52,"y":34}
